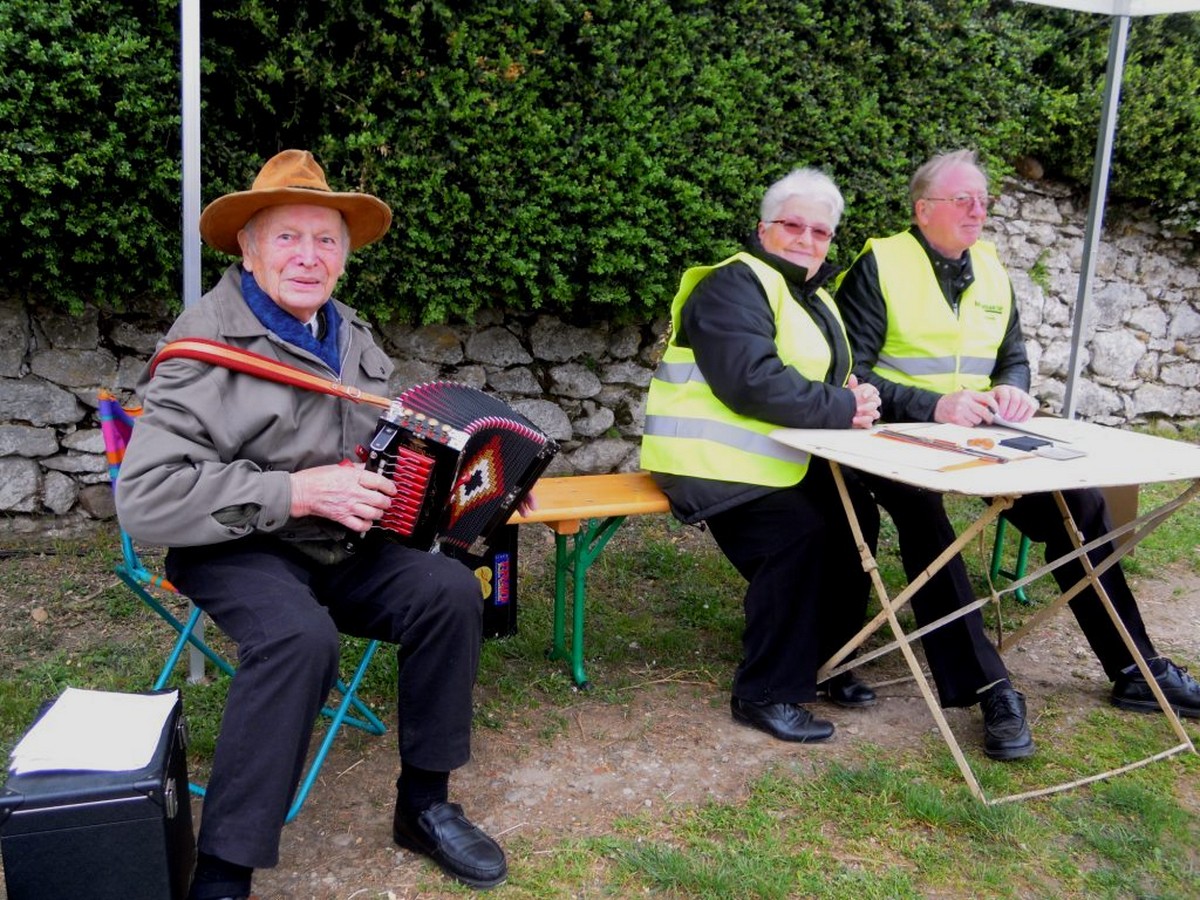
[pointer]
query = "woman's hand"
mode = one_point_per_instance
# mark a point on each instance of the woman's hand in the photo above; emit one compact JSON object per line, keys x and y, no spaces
{"x":866,"y":409}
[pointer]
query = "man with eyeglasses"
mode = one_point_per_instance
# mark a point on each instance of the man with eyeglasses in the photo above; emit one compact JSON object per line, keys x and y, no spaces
{"x":933,"y":324}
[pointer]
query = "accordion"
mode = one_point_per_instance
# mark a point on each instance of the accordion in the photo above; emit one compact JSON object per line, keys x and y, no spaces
{"x":461,"y":460}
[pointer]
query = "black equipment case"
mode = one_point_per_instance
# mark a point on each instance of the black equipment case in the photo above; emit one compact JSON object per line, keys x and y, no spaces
{"x":69,"y":835}
{"x":496,"y":570}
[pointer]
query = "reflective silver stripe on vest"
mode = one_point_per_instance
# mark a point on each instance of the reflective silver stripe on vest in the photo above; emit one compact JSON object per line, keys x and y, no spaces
{"x":977,"y":365}
{"x":916,"y":366}
{"x":723,"y":433}
{"x":679,"y":373}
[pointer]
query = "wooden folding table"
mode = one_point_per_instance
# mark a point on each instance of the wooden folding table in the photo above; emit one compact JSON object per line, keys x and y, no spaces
{"x":1111,"y":457}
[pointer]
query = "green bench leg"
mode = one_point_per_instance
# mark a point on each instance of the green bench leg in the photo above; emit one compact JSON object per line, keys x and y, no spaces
{"x":1018,"y":571}
{"x":588,"y":542}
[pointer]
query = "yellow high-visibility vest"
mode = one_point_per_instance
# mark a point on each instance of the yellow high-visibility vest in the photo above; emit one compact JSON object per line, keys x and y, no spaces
{"x":926,"y":344}
{"x":688,"y":431}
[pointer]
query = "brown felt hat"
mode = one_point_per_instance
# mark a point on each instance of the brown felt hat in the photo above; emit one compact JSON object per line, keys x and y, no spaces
{"x":292,"y":176}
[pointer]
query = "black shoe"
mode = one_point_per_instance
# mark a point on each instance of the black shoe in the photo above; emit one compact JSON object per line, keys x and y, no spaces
{"x":447,"y":837}
{"x":846,"y":690}
{"x":1182,"y":692}
{"x":786,"y":721}
{"x":1005,"y":731}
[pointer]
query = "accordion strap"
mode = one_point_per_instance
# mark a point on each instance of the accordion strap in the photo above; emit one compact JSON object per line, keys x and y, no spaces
{"x":218,"y":354}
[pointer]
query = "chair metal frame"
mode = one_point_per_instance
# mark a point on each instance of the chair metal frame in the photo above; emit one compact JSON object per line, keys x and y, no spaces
{"x":116,"y":423}
{"x":1017,"y":572}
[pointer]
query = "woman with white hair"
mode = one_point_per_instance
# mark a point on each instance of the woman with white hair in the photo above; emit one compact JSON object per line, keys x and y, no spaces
{"x":756,"y":344}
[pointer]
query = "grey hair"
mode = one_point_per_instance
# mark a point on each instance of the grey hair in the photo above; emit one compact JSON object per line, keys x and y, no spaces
{"x":811,"y":184}
{"x":925,"y":176}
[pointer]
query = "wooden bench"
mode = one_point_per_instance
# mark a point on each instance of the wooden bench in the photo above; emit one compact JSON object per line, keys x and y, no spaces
{"x":588,"y":508}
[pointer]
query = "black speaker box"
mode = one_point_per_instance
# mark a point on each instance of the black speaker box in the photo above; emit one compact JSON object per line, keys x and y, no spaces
{"x":71,"y":835}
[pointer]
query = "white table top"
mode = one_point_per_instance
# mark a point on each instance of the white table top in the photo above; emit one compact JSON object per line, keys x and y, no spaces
{"x":1113,"y":457}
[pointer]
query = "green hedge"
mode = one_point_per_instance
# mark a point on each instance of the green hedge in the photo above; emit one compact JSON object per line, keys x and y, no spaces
{"x":561,"y":156}
{"x":89,"y":149}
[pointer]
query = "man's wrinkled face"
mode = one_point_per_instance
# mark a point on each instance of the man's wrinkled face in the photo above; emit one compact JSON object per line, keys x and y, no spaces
{"x":296,"y":253}
{"x":952,"y":214}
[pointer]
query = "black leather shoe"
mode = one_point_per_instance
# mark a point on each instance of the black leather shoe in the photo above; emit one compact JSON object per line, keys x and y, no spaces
{"x":1005,"y":731}
{"x":1181,"y":690}
{"x":846,"y":690}
{"x":447,"y":837}
{"x":786,"y":721}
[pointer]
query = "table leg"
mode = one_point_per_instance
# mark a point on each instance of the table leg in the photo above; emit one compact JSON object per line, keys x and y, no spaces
{"x":1092,"y":577}
{"x":889,"y":611}
{"x":1141,"y":527}
{"x":831,"y":666}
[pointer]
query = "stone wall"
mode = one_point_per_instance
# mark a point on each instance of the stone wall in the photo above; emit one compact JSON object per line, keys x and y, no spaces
{"x":1140,"y":360}
{"x":586,"y":386}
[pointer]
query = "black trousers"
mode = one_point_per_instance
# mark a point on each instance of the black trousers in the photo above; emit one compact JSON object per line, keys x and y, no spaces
{"x":807,"y":591}
{"x":284,"y":612}
{"x":961,"y":657}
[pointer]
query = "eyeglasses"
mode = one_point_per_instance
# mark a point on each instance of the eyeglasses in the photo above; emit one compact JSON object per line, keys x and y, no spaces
{"x":796,"y":229}
{"x":966,"y":202}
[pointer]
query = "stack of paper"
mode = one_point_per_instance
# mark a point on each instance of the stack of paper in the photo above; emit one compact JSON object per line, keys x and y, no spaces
{"x":98,"y":731}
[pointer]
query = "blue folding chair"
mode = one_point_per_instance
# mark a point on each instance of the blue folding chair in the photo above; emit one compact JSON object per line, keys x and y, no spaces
{"x":116,"y":424}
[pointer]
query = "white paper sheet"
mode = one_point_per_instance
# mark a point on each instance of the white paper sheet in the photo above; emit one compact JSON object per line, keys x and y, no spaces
{"x":98,"y":731}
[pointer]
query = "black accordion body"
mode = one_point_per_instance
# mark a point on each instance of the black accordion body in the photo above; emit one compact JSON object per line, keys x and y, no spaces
{"x":462,"y":461}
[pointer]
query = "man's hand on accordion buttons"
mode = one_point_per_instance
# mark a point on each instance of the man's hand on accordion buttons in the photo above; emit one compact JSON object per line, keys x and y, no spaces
{"x":347,"y":494}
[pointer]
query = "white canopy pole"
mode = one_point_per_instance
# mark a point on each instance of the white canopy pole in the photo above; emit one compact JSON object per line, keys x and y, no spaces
{"x":190,"y":22}
{"x":190,"y":102}
{"x":1095,"y":216}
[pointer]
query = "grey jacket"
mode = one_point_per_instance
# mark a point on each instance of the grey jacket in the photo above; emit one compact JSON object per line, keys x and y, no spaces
{"x":210,"y":457}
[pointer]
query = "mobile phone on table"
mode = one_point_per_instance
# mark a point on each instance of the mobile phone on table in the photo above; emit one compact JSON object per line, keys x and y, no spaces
{"x":1053,"y":452}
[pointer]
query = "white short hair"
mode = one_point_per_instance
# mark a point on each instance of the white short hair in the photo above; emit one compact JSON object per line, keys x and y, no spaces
{"x":812,"y":185}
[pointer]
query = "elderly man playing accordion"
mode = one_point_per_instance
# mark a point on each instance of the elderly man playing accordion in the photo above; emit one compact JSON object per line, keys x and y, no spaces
{"x":245,"y":481}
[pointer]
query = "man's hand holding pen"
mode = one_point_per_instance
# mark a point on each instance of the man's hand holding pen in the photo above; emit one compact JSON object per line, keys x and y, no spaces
{"x":1013,"y":404}
{"x":971,"y":408}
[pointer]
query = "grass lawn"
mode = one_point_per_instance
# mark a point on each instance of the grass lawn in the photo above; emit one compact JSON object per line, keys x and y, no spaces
{"x":886,"y":823}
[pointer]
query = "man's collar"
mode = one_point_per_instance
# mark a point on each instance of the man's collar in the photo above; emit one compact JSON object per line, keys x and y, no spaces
{"x":960,"y":272}
{"x":934,"y":254}
{"x":961,"y":265}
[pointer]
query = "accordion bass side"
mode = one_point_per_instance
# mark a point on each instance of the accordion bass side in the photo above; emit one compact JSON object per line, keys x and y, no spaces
{"x":462,"y":461}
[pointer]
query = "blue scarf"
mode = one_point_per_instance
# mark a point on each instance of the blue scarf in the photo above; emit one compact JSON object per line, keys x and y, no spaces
{"x":289,"y":328}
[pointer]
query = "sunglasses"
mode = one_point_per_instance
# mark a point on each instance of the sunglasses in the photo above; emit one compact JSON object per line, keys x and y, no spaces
{"x":796,"y":228}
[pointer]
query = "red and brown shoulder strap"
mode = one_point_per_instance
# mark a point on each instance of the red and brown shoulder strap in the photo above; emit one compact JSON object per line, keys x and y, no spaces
{"x":216,"y":353}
